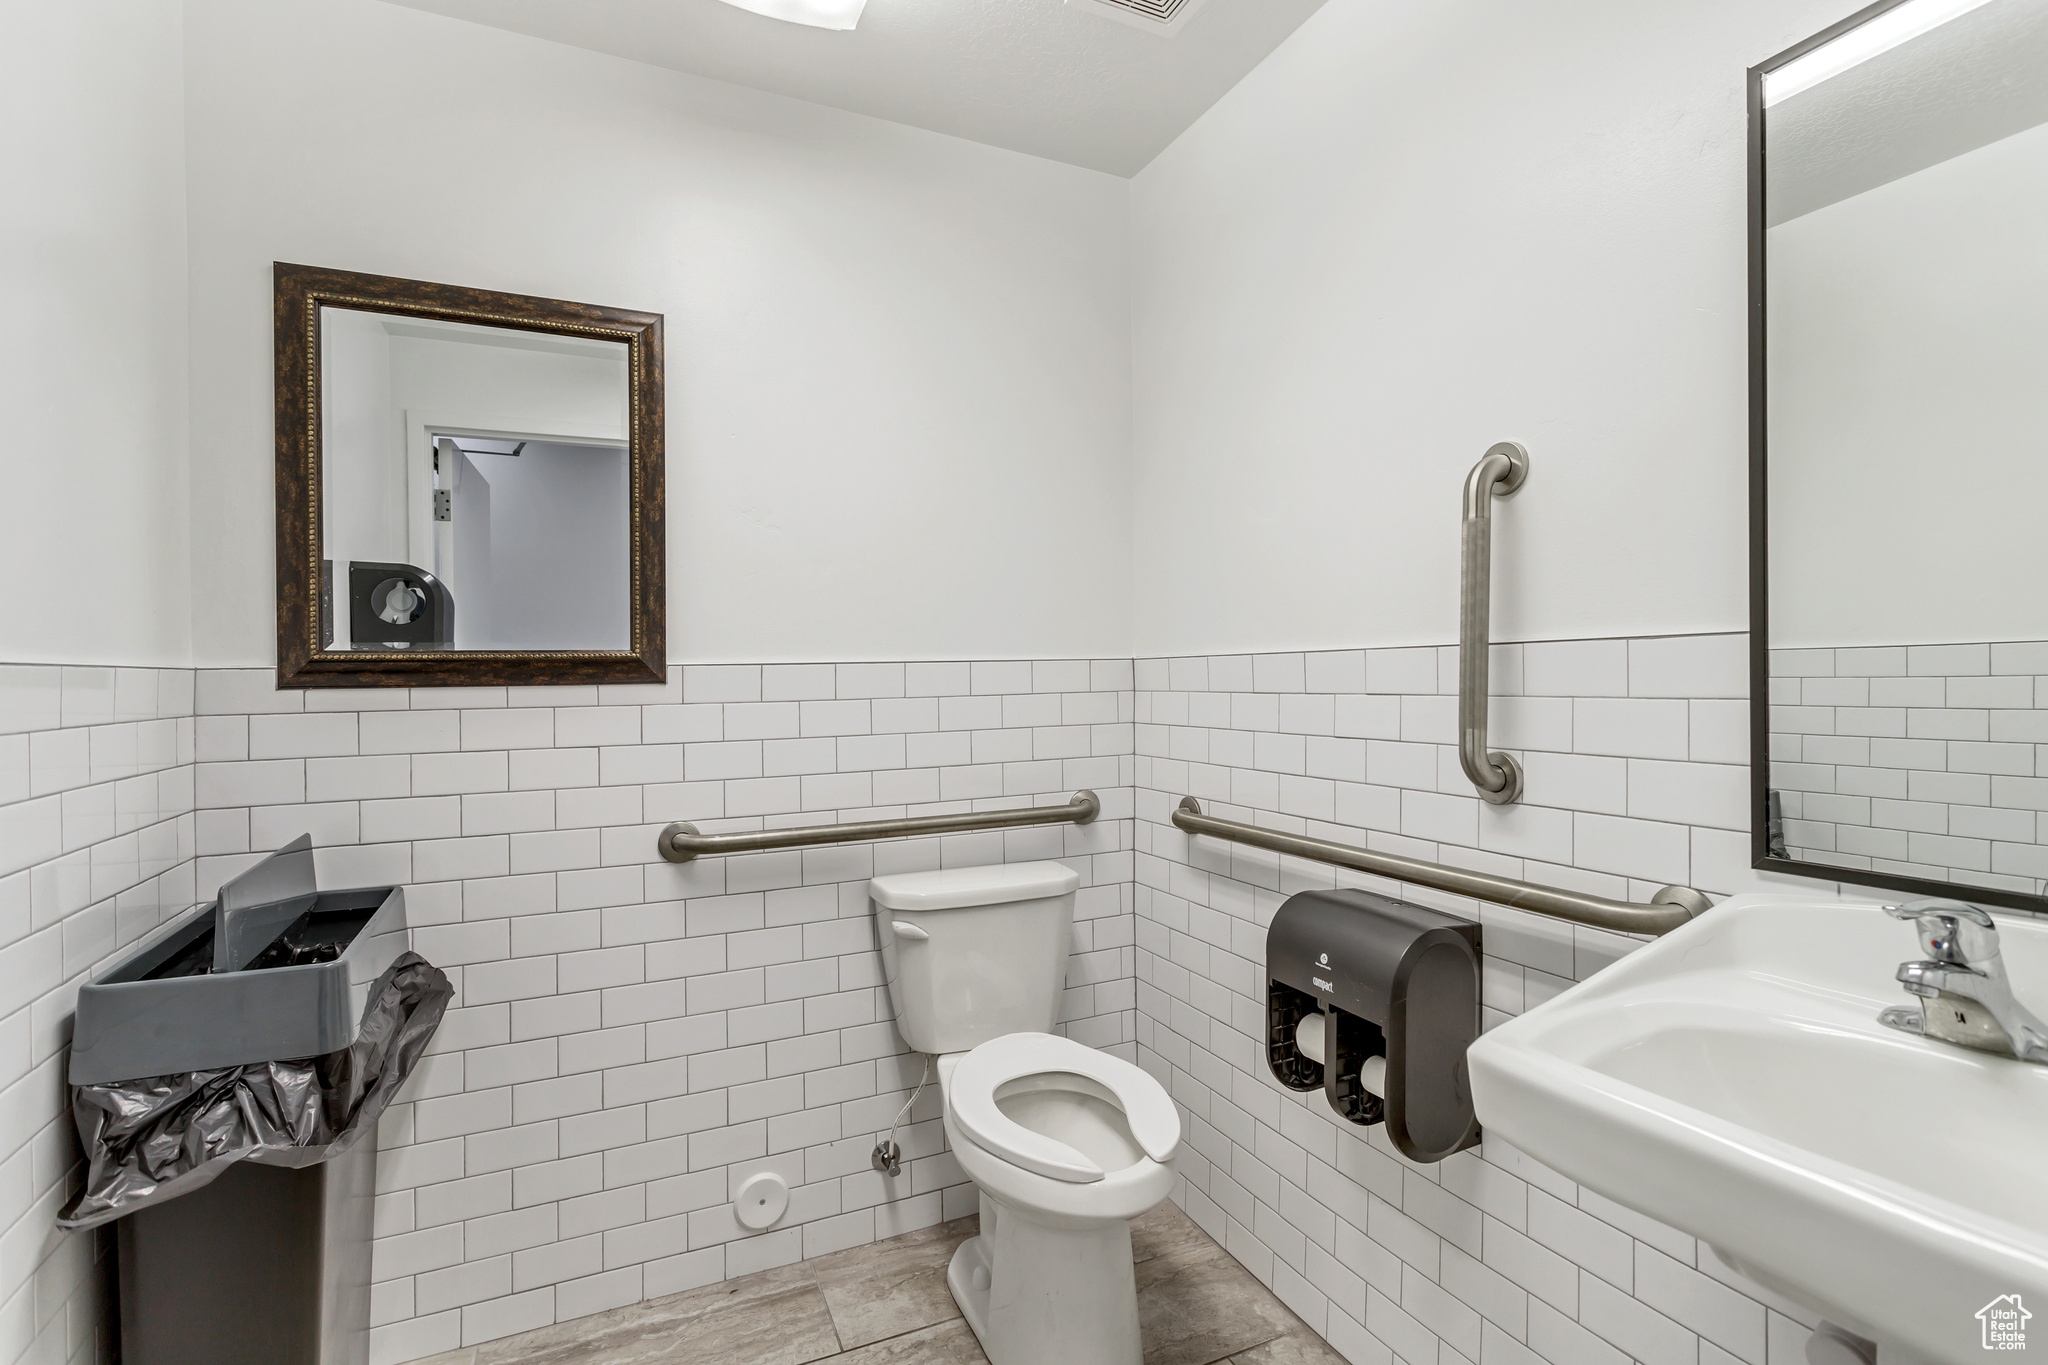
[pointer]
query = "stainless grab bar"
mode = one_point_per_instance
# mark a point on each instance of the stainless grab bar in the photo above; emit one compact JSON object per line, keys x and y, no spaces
{"x":1668,"y":909}
{"x":1499,"y":473}
{"x":681,"y":841}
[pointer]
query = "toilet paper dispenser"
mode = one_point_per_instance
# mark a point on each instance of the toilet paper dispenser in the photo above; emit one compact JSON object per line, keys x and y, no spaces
{"x":1374,"y":1001}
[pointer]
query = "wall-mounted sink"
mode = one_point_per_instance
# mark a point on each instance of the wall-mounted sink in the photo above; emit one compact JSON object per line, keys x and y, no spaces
{"x":1732,"y":1080}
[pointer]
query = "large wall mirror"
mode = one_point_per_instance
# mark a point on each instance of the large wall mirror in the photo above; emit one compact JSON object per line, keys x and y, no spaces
{"x":1899,"y":343}
{"x":469,"y":486}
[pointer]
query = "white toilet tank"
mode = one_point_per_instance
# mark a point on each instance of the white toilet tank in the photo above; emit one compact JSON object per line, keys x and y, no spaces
{"x":973,"y":953}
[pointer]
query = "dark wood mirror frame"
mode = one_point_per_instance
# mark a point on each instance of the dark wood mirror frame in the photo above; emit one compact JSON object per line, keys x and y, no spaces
{"x":300,"y":292}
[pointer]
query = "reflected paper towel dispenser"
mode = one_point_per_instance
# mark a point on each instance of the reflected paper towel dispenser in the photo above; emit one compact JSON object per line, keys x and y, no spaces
{"x":398,"y":606}
{"x":1374,"y":1001}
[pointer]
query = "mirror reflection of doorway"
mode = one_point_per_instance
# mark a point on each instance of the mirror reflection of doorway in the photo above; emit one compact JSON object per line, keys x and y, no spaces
{"x":529,"y":537}
{"x":491,"y":460}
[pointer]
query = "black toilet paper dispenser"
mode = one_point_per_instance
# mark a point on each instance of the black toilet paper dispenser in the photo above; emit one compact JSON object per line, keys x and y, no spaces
{"x":1374,"y":1001}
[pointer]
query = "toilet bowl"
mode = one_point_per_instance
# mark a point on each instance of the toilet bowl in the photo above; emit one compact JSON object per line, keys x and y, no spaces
{"x":1066,"y":1144}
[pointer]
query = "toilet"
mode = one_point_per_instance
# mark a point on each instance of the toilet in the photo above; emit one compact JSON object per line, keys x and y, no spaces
{"x":1065,"y":1143}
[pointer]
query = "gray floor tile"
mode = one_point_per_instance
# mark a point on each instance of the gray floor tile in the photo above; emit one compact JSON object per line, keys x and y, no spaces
{"x":946,"y":1343}
{"x":777,"y":1317}
{"x":1301,"y":1348}
{"x":891,"y":1287}
{"x":887,"y":1304}
{"x":1163,"y":1231}
{"x":1198,"y":1305}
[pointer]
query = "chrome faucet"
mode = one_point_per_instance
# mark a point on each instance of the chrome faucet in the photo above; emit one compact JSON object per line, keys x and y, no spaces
{"x":1965,"y":997}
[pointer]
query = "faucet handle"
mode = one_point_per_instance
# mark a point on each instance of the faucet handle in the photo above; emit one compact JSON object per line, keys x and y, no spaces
{"x":1951,"y":931}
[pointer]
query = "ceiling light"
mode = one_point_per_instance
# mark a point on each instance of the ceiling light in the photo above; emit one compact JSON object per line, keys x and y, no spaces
{"x":1900,"y":24}
{"x":839,"y":14}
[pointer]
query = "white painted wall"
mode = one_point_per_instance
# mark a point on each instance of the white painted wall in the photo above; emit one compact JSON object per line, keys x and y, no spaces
{"x":93,"y":562}
{"x":1420,"y":227}
{"x":477,"y":384}
{"x":559,"y":568}
{"x":1907,"y":364}
{"x":362,"y":450}
{"x":462,"y":550}
{"x":898,"y":372}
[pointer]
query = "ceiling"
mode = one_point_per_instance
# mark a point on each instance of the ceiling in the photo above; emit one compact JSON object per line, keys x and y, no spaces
{"x":1046,"y":77}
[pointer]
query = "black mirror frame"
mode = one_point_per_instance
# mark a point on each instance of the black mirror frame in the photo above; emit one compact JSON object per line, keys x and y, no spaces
{"x":1761,"y":856}
{"x":299,"y":293}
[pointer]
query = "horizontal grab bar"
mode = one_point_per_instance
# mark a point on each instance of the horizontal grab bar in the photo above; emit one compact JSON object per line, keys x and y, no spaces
{"x":681,"y":842}
{"x":1668,"y":909}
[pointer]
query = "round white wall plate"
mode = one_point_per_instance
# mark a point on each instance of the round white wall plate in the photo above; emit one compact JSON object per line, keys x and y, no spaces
{"x":762,"y":1200}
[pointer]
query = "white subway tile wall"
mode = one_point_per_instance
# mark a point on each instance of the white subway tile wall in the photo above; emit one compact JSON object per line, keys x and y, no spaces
{"x":96,"y":849}
{"x":1636,"y":754}
{"x":631,"y":1038}
{"x":1922,"y":760}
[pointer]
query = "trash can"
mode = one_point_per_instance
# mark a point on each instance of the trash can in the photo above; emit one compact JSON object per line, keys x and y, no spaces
{"x":227,"y":1077}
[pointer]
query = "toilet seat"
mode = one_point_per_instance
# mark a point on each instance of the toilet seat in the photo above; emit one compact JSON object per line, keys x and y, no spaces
{"x":971,"y":1098}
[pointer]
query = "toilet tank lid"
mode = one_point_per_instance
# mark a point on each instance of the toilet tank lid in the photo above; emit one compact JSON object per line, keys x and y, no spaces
{"x":955,"y":887}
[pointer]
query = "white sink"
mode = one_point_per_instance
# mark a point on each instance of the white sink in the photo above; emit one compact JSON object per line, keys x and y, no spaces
{"x":1731,"y":1079}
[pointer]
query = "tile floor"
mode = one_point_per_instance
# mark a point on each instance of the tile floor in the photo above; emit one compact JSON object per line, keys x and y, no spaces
{"x":887,"y":1304}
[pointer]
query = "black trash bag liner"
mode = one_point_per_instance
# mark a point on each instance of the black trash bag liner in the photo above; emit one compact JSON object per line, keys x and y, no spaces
{"x":157,"y":1137}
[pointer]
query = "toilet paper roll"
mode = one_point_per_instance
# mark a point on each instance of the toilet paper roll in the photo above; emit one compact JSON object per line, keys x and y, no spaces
{"x":1310,"y":1035}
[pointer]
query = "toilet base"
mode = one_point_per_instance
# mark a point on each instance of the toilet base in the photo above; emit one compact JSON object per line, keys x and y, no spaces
{"x":1034,"y":1293}
{"x":967,"y":1275}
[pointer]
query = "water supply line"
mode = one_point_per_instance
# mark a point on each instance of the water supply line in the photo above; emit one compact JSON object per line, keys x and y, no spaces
{"x":887,"y":1156}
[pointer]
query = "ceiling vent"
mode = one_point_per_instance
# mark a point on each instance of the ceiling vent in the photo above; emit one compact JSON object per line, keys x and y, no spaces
{"x":1154,"y":16}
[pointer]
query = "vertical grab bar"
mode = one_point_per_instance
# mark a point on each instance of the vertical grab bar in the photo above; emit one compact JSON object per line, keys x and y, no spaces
{"x":1499,"y":473}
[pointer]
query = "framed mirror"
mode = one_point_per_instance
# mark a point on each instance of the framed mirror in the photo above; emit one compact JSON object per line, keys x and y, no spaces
{"x":469,"y":486}
{"x":1899,"y":390}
